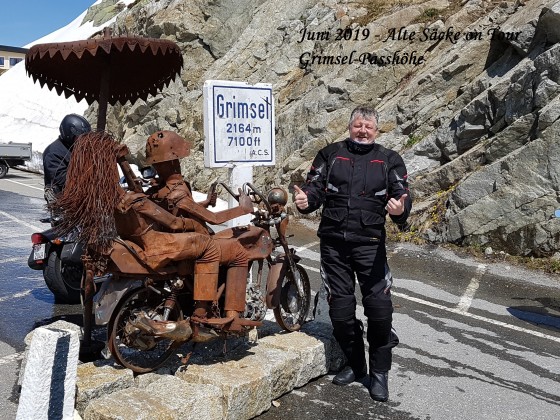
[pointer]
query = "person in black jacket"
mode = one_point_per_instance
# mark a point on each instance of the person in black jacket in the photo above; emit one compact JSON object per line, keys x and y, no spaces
{"x":358,"y":182}
{"x":56,"y":156}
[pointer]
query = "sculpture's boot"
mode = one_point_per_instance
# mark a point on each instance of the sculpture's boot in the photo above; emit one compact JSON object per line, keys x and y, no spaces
{"x":205,"y":282}
{"x":234,"y":306}
{"x":173,"y":330}
{"x":236,"y":287}
{"x":205,"y":288}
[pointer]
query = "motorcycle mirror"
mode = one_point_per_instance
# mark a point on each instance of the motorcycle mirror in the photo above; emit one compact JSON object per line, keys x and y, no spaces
{"x":557,"y":213}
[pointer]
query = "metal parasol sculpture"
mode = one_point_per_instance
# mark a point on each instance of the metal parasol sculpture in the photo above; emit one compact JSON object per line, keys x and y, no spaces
{"x":108,"y":70}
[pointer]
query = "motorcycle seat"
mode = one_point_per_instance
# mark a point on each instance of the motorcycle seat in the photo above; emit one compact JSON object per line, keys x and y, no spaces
{"x":126,"y":256}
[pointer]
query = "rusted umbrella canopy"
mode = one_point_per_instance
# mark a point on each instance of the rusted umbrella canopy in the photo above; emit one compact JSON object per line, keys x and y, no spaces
{"x":107,"y":70}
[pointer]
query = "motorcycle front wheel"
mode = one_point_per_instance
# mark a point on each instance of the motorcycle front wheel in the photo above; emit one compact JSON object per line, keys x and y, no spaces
{"x":133,"y":348}
{"x":292,"y":311}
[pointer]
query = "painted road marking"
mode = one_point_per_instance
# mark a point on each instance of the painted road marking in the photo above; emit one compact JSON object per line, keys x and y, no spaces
{"x":10,"y":358}
{"x":464,"y":304}
{"x":15,"y":295}
{"x":25,"y":185}
{"x":477,"y":317}
{"x":21,"y":235}
{"x":466,"y":299}
{"x":21,"y":222}
{"x":306,"y":246}
{"x":316,"y":270}
{"x":13,"y":259}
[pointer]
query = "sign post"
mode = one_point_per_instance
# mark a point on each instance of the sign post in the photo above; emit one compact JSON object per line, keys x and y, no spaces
{"x":238,"y":131}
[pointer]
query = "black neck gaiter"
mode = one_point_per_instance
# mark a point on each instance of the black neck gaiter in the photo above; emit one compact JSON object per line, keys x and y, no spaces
{"x":355,"y":147}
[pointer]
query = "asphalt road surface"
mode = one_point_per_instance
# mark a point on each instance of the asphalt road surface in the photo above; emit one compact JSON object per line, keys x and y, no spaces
{"x":479,"y":339}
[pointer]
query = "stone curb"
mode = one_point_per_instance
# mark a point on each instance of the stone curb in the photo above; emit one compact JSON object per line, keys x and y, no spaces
{"x":241,"y":384}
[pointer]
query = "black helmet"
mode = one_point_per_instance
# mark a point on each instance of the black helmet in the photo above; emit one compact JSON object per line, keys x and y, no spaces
{"x":72,"y":126}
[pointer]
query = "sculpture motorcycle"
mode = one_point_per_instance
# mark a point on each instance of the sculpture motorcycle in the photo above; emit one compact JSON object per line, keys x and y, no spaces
{"x":148,"y":314}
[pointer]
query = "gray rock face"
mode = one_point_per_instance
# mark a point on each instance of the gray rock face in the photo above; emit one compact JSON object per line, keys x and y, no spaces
{"x":475,"y":120}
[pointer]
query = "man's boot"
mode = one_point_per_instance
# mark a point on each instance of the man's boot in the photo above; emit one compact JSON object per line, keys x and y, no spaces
{"x":379,"y":386}
{"x":348,"y":375}
{"x":380,"y":356}
{"x":349,"y":335}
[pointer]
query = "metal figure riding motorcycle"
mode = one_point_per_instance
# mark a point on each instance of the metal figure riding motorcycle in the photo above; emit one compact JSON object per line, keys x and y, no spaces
{"x":149,"y":305}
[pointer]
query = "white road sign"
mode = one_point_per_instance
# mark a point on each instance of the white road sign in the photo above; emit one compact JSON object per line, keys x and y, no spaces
{"x":238,"y":124}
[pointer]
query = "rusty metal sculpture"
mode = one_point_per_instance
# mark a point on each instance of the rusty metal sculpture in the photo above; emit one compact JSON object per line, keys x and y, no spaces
{"x":148,"y":301}
{"x":163,"y":151}
{"x":107,"y":70}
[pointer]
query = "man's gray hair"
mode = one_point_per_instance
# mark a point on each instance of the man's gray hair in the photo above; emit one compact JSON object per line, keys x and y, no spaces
{"x":367,"y":112}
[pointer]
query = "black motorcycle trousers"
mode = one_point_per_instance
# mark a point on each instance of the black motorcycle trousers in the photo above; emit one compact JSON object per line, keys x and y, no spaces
{"x":341,"y":264}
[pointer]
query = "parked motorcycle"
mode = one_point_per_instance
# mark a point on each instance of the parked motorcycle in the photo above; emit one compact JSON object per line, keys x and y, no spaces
{"x":59,"y":257}
{"x":148,"y":314}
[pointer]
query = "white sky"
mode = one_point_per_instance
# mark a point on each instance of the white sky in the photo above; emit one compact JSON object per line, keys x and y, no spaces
{"x":28,"y":20}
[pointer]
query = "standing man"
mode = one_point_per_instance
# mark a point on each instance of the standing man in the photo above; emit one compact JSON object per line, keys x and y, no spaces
{"x":358,"y":182}
{"x":56,"y":156}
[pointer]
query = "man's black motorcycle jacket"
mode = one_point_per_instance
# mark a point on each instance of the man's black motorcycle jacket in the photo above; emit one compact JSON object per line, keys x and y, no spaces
{"x":56,"y":158}
{"x":354,"y":182}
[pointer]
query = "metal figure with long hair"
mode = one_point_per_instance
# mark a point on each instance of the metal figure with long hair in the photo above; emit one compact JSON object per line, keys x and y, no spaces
{"x":92,"y":191}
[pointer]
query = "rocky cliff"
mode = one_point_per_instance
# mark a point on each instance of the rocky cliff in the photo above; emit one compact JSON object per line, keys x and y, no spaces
{"x":468,"y":93}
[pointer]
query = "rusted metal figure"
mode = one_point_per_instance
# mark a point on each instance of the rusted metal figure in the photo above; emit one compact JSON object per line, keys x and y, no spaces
{"x":237,"y":245}
{"x":135,"y":218}
{"x":146,"y":296}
